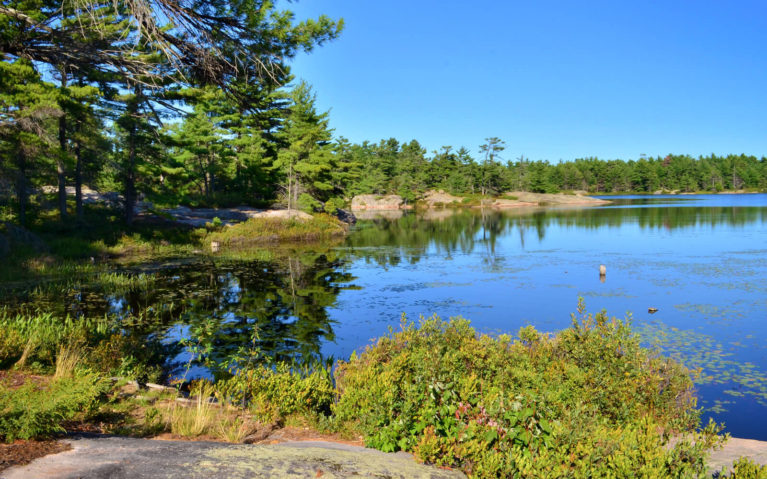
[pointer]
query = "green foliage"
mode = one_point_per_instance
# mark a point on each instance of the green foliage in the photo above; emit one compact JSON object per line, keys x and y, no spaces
{"x":588,"y":402}
{"x":333,"y":205}
{"x":745,"y":468}
{"x":40,"y":337}
{"x":274,"y":393}
{"x":307,"y":203}
{"x":283,"y":229}
{"x":36,"y":411}
{"x":45,"y":341}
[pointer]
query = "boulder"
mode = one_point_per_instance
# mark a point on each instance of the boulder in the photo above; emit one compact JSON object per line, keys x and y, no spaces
{"x":436,"y":198}
{"x":346,"y":216}
{"x":14,"y":236}
{"x":377,"y":202}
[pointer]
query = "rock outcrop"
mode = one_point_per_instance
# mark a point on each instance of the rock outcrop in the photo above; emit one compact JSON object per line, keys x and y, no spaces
{"x":545,"y":199}
{"x":378,"y":202}
{"x":346,"y":216}
{"x":439,"y":198}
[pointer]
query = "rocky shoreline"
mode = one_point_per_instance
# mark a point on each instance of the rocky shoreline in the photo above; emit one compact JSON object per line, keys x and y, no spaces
{"x":440,"y":199}
{"x":105,"y":457}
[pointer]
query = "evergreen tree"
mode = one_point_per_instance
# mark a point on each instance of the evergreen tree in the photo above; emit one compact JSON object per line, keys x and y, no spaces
{"x":28,"y":107}
{"x":489,"y":181}
{"x":306,"y":160}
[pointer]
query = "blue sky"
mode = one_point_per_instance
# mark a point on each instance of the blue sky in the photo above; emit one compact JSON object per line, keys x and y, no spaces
{"x":554,"y":79}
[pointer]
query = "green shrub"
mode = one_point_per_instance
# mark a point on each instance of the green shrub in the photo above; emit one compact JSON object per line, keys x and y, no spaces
{"x":745,"y":468}
{"x":333,"y":205}
{"x":588,"y":402}
{"x":36,"y":411}
{"x":308,"y":203}
{"x":274,"y":393}
{"x":321,"y":226}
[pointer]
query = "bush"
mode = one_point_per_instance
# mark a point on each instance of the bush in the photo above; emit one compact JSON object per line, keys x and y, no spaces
{"x":333,"y":205}
{"x":308,"y":203}
{"x":745,"y":468}
{"x":36,"y":411}
{"x":588,"y":402}
{"x":274,"y":393}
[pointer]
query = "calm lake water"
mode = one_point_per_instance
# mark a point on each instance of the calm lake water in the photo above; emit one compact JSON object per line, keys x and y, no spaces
{"x":700,"y":260}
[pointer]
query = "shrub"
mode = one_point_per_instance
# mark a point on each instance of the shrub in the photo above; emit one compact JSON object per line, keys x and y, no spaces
{"x":36,"y":411}
{"x":588,"y":402}
{"x":308,"y":203}
{"x":274,"y":393}
{"x":745,"y":468}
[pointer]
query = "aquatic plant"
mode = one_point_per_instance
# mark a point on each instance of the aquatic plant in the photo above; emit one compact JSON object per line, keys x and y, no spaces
{"x":711,"y":361}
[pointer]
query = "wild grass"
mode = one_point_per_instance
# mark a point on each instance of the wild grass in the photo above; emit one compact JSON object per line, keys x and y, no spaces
{"x":197,"y":419}
{"x":43,"y":337}
{"x":233,"y":428}
{"x":69,"y":357}
{"x":265,"y":230}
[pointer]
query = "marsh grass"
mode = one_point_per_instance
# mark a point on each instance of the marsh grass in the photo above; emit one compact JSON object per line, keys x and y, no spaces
{"x":233,"y":428}
{"x":257,"y":230}
{"x":198,"y":419}
{"x":43,"y":337}
{"x":69,"y":357}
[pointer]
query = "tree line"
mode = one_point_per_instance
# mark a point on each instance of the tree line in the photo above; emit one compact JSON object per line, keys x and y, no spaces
{"x":91,"y":91}
{"x":194,"y":103}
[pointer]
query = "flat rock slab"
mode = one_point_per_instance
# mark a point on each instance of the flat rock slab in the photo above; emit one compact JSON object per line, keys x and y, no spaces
{"x":735,"y":448}
{"x":117,"y":458}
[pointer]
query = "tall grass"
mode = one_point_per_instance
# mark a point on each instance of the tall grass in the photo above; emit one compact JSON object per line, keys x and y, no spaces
{"x":257,"y":230}
{"x":67,"y":360}
{"x":195,"y":420}
{"x":44,"y":336}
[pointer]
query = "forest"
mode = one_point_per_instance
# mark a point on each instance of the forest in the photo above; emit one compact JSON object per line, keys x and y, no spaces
{"x":207,"y":113}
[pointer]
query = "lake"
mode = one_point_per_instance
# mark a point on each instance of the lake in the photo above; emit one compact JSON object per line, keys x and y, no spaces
{"x":700,"y":260}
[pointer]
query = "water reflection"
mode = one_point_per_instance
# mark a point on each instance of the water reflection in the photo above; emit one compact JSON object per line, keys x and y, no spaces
{"x":693,"y":258}
{"x":223,"y":311}
{"x":406,"y":237}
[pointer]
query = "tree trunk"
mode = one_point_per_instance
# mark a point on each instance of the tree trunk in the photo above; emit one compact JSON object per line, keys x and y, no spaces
{"x":290,"y":185}
{"x":21,"y":185}
{"x":78,"y":180}
{"x":60,"y":167}
{"x":130,"y":176}
{"x":130,"y":170}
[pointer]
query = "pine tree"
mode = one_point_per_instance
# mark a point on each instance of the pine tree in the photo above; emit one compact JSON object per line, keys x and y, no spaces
{"x":306,"y":160}
{"x":28,"y":107}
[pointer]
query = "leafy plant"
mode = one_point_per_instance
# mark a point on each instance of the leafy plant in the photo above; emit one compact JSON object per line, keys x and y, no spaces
{"x":745,"y":468}
{"x":273,"y":393}
{"x":36,"y":411}
{"x":587,"y":402}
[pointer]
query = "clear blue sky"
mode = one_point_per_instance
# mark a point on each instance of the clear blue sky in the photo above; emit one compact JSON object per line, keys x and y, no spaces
{"x":554,"y":79}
